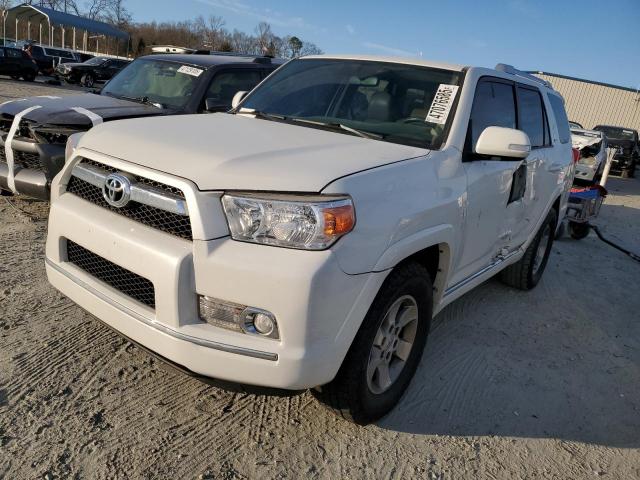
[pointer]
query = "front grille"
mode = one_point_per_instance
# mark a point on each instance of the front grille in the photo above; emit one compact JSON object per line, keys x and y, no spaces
{"x":27,"y":160}
{"x":129,"y":283}
{"x":172,"y":223}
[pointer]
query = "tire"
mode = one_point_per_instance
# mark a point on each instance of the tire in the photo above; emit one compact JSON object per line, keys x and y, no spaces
{"x":560,"y":231}
{"x":354,"y":393}
{"x":578,"y":231}
{"x":5,"y":193}
{"x":15,"y":77}
{"x":29,"y":76}
{"x":527,"y":272}
{"x":87,"y":80}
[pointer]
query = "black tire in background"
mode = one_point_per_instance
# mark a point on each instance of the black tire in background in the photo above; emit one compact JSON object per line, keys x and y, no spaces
{"x":29,"y":76}
{"x":351,"y":393}
{"x":527,"y":272}
{"x":87,"y":80}
{"x":578,"y":231}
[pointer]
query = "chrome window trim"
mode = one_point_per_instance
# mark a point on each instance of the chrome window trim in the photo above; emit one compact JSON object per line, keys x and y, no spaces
{"x":140,"y":193}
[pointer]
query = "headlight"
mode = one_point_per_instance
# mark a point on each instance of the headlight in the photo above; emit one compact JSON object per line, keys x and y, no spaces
{"x":294,"y":221}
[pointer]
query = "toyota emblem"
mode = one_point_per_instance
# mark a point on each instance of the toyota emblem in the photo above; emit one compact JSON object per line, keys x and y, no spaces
{"x":116,"y":190}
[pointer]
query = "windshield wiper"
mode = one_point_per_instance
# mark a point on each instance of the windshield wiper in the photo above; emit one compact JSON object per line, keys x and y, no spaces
{"x":144,"y":100}
{"x":260,"y":114}
{"x":355,"y":131}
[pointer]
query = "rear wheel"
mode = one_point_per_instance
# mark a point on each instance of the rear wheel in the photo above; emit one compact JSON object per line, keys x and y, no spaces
{"x":578,"y":230}
{"x":386,"y":351}
{"x":29,"y":76}
{"x":527,"y":272}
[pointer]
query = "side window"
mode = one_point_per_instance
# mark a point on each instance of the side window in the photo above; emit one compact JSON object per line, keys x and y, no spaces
{"x":560,"y":114}
{"x":12,"y":53}
{"x":226,"y":84}
{"x":1,"y":52}
{"x":532,"y":119}
{"x":493,"y":106}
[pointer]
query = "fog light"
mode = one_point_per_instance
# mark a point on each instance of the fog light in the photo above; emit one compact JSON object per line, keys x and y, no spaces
{"x":263,"y":324}
{"x":260,"y":322}
{"x":240,"y":318}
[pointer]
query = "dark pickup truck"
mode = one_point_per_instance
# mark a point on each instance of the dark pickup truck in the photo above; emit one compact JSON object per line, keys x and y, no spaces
{"x":32,"y":152}
{"x":625,"y":141}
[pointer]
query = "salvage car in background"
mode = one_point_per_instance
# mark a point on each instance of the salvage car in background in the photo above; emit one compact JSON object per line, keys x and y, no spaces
{"x":96,"y":69}
{"x":592,"y":145}
{"x":306,"y":239}
{"x":149,"y":86}
{"x":17,"y":64}
{"x":625,"y":141}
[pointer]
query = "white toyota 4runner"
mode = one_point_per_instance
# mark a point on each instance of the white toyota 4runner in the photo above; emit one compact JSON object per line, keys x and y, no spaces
{"x":307,"y":239}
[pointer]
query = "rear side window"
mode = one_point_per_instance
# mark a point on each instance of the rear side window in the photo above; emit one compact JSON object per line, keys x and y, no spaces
{"x":557,"y":104}
{"x":1,"y":52}
{"x":533,"y":120}
{"x":493,"y":106}
{"x":14,"y":53}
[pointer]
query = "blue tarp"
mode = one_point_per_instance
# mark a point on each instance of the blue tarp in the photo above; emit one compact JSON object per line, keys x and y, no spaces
{"x":60,"y":18}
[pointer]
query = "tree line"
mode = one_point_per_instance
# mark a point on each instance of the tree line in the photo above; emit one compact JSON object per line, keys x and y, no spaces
{"x":201,"y":33}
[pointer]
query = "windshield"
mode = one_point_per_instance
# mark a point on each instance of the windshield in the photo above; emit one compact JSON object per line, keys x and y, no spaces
{"x":167,"y":83}
{"x":613,"y":133}
{"x":95,"y":61}
{"x":396,"y":103}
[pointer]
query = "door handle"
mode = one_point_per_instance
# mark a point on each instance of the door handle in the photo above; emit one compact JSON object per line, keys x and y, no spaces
{"x":555,"y":167}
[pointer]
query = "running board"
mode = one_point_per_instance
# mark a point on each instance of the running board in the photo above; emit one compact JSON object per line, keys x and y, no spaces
{"x":497,"y":262}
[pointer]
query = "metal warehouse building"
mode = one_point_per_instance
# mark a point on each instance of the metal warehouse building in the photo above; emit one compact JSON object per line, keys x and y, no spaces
{"x":595,"y":103}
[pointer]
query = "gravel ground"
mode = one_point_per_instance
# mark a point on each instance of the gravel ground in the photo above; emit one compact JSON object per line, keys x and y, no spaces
{"x":541,"y":384}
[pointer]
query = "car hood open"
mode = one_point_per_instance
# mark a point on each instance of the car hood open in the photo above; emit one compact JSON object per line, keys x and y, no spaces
{"x":235,"y":152}
{"x":59,"y":110}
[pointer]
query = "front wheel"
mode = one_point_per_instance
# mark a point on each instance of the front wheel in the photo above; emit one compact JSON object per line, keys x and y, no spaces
{"x":527,"y":272}
{"x":386,"y":351}
{"x":87,"y":80}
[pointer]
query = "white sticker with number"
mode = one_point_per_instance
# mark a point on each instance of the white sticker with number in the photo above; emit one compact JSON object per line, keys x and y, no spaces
{"x":441,"y":105}
{"x":194,"y":72}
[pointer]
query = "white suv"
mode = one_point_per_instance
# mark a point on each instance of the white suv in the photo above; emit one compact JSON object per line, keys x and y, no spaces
{"x":307,"y":240}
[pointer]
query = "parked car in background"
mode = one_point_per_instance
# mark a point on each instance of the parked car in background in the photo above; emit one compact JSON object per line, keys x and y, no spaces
{"x":592,"y":145}
{"x":149,"y":86}
{"x":307,"y":239}
{"x":96,"y":69}
{"x":625,"y":141}
{"x":17,"y":64}
{"x":46,"y":57}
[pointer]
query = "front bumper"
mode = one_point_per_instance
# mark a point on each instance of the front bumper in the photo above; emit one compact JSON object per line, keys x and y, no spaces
{"x":318,"y":307}
{"x":35,"y":165}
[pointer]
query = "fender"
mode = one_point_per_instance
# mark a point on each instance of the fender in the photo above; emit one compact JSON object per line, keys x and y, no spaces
{"x":442,"y":235}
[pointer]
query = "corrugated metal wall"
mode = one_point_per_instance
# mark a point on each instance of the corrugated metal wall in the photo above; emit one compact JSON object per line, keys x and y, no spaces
{"x":591,"y":104}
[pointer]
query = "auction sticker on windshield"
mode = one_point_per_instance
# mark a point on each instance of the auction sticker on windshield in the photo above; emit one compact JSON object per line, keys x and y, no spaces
{"x":441,"y":105}
{"x":194,"y":72}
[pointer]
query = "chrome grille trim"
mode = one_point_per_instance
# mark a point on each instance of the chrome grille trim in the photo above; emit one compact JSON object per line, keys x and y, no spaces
{"x":141,"y":193}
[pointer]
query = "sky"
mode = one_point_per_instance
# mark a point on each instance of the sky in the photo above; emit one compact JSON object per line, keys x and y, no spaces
{"x":590,"y":39}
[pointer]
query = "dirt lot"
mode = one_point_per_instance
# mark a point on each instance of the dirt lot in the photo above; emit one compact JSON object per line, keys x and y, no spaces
{"x":544,"y":384}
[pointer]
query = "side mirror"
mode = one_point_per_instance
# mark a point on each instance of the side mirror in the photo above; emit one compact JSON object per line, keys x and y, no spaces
{"x":503,"y":142}
{"x":237,"y":98}
{"x":213,"y":105}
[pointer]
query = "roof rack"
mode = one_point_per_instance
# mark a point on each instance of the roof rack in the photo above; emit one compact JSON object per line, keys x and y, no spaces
{"x":503,"y":67}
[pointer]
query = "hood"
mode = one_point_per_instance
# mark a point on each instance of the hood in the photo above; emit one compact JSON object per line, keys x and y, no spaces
{"x":59,"y":111}
{"x":234,"y":152}
{"x":75,"y":65}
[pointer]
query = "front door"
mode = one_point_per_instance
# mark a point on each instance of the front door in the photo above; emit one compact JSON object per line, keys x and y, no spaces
{"x":495,"y":205}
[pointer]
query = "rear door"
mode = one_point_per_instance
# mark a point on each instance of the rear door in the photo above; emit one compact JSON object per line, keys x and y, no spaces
{"x":533,"y":120}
